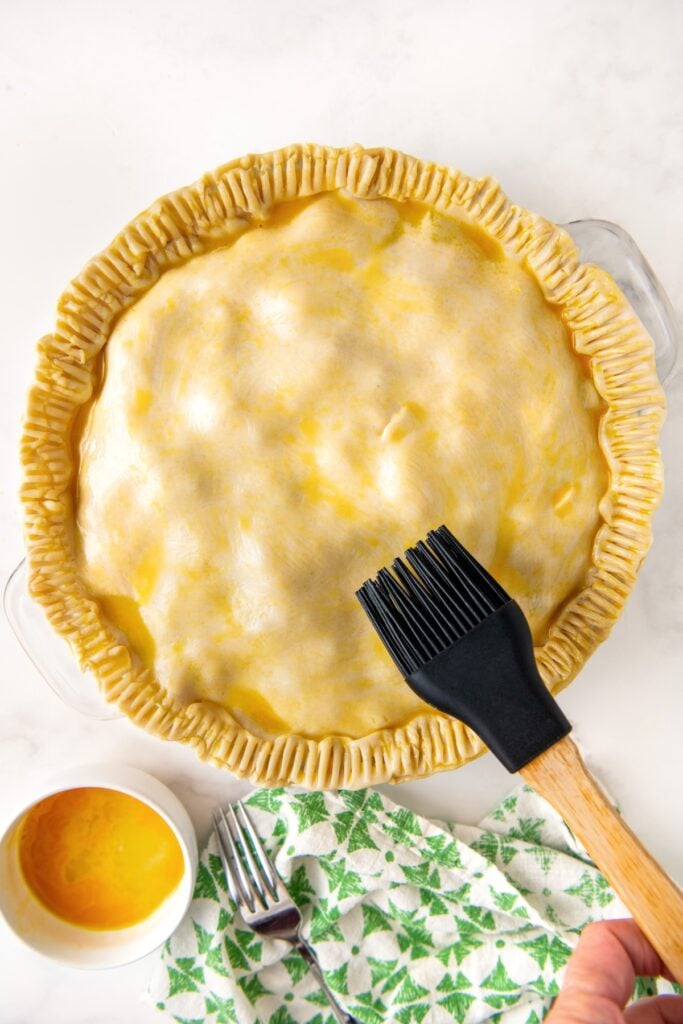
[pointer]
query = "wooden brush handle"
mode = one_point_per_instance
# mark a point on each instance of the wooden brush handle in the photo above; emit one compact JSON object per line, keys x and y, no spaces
{"x":655,"y":901}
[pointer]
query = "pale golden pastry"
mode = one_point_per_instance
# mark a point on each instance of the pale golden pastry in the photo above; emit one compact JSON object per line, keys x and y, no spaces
{"x":271,"y":384}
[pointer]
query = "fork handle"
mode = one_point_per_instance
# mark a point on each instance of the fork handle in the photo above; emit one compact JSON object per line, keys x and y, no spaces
{"x":309,"y":956}
{"x":655,"y":901}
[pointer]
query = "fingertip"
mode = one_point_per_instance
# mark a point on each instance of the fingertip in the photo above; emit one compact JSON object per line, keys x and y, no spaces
{"x":665,"y":1009}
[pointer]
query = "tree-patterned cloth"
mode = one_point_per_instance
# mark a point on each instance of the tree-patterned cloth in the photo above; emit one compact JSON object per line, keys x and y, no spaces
{"x":412,"y":920}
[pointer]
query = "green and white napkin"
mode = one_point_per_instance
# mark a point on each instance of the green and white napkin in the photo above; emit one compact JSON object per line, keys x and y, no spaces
{"x":412,"y":920}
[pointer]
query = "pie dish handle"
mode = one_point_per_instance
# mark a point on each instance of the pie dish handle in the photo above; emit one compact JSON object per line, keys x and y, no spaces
{"x":610,"y":247}
{"x":49,"y":652}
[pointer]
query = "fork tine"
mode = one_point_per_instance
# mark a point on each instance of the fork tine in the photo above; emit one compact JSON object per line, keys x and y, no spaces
{"x":227,"y":866}
{"x":267,"y":869}
{"x":240,"y":877}
{"x":256,"y":876}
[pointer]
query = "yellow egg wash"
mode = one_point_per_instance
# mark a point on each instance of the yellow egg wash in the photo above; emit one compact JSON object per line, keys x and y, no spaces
{"x":280,"y":416}
{"x":99,"y":858}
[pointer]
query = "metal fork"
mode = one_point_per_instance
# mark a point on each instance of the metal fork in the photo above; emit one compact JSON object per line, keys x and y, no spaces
{"x":259,"y":893}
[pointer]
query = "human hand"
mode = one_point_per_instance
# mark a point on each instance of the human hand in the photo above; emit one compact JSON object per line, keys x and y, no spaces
{"x":601,"y":975}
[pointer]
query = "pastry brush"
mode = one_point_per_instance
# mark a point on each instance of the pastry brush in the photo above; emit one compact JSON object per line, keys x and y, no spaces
{"x":464,"y":646}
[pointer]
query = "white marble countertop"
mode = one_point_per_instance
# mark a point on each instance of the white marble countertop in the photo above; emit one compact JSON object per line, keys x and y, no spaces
{"x":575,"y":107}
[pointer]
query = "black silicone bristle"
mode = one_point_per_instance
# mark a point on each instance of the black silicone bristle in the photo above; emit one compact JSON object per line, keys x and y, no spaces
{"x":431,"y":603}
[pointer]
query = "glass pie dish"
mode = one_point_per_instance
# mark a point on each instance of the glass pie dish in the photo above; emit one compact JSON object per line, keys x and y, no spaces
{"x":600,"y":242}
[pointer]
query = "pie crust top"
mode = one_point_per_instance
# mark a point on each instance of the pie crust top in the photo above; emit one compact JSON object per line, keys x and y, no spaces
{"x":276,"y":380}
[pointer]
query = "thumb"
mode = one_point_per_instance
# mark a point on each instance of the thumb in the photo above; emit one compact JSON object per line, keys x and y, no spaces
{"x":601,"y":974}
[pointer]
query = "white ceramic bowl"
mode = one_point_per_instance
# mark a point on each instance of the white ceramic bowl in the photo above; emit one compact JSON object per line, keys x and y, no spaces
{"x":84,"y":947}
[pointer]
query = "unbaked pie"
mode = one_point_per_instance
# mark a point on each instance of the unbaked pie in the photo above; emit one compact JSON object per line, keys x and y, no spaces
{"x":274,"y":381}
